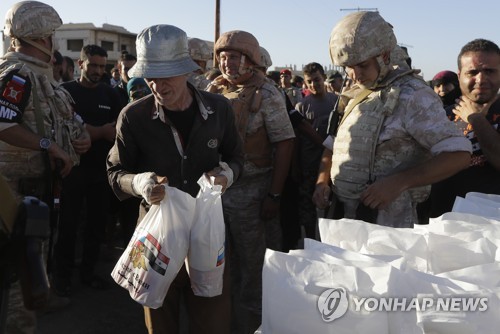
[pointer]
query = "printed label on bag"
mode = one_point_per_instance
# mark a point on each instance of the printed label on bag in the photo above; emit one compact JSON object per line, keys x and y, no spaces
{"x":148,"y":248}
{"x":220,"y":256}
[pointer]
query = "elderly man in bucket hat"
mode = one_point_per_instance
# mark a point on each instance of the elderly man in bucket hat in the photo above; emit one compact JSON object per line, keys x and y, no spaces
{"x":177,"y":133}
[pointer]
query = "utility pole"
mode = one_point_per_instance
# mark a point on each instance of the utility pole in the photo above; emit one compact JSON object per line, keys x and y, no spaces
{"x":359,"y":9}
{"x":217,"y":29}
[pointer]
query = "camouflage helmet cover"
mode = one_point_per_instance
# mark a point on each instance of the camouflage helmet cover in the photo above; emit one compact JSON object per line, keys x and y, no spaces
{"x":241,"y":41}
{"x":265,"y":58}
{"x":199,"y":49}
{"x":360,"y":36}
{"x":31,"y":19}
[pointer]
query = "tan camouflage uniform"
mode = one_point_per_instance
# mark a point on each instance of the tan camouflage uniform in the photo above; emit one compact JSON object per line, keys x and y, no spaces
{"x":413,"y":128}
{"x":28,"y":21}
{"x":61,"y":124}
{"x":394,"y":125}
{"x":242,"y":201}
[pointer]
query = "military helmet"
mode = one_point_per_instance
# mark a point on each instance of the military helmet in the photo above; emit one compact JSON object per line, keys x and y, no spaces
{"x":32,"y":20}
{"x":360,"y":36}
{"x":199,"y":49}
{"x":241,"y":41}
{"x":265,"y":58}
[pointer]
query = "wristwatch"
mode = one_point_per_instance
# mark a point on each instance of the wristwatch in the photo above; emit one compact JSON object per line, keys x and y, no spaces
{"x":45,"y":143}
{"x":274,"y":197}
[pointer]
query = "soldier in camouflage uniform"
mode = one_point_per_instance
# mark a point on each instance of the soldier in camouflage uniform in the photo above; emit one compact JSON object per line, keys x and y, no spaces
{"x":201,"y":54}
{"x":37,"y":123}
{"x":253,"y":201}
{"x":393,"y":139}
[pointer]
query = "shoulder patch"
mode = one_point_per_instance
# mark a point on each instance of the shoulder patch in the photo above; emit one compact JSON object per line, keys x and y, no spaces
{"x":15,"y":92}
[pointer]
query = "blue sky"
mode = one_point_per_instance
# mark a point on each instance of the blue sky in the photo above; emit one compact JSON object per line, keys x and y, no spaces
{"x":297,"y":31}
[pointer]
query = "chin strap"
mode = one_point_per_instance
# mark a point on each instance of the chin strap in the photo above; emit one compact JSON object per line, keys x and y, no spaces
{"x":38,"y":46}
{"x":384,"y":70}
{"x":241,"y":70}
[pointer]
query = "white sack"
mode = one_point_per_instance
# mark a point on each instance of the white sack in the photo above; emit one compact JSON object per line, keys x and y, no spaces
{"x":206,"y":256}
{"x":372,"y":239}
{"x":476,"y":206}
{"x":157,"y":250}
{"x":291,"y":289}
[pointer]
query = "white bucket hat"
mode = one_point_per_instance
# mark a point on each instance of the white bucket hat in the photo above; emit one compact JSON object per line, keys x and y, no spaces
{"x":162,"y":52}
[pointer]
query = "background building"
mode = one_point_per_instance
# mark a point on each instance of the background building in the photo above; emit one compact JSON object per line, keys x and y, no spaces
{"x":71,"y":37}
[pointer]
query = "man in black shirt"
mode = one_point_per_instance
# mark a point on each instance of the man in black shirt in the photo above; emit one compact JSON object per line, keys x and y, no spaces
{"x":98,"y":105}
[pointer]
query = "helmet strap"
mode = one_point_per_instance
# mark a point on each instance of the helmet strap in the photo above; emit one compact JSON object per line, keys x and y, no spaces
{"x":38,"y":46}
{"x":242,"y":69}
{"x":384,"y":69}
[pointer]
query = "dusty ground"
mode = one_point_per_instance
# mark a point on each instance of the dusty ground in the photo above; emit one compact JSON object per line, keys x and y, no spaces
{"x":96,"y":312}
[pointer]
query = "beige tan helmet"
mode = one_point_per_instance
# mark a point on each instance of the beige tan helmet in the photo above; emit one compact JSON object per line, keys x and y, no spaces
{"x":31,"y":20}
{"x":241,"y":41}
{"x":265,"y":58}
{"x":199,"y":49}
{"x":360,"y":36}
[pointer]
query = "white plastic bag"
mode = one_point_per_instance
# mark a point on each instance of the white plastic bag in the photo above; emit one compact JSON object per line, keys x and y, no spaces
{"x":291,"y":290}
{"x":373,"y":239}
{"x":478,"y":206}
{"x":157,"y":250}
{"x":206,"y":256}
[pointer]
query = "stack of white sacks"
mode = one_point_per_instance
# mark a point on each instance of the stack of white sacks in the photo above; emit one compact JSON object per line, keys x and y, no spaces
{"x":364,"y":278}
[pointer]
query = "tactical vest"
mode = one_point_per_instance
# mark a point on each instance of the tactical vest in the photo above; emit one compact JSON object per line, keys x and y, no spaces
{"x":245,"y":101}
{"x":57,"y":113}
{"x":357,"y":155}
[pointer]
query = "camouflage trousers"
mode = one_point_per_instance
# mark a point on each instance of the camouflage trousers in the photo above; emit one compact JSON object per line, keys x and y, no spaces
{"x":249,"y":236}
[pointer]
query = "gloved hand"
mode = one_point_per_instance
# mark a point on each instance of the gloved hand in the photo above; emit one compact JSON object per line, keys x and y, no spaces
{"x":143,"y":183}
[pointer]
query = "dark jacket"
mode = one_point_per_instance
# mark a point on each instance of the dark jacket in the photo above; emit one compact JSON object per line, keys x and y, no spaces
{"x":146,"y":144}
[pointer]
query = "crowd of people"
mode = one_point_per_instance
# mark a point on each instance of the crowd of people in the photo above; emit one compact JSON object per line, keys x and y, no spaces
{"x":373,"y":142}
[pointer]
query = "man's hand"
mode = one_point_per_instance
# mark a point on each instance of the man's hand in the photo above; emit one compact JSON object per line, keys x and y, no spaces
{"x":223,"y":176}
{"x":82,"y":143}
{"x":382,"y":192}
{"x":57,"y":154}
{"x":321,"y":195}
{"x":109,"y":131}
{"x":269,"y":208}
{"x":466,"y":107}
{"x":150,"y":187}
{"x":158,"y":190}
{"x":219,"y":179}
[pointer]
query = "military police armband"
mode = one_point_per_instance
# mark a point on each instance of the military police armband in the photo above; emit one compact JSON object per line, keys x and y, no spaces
{"x":15,"y":91}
